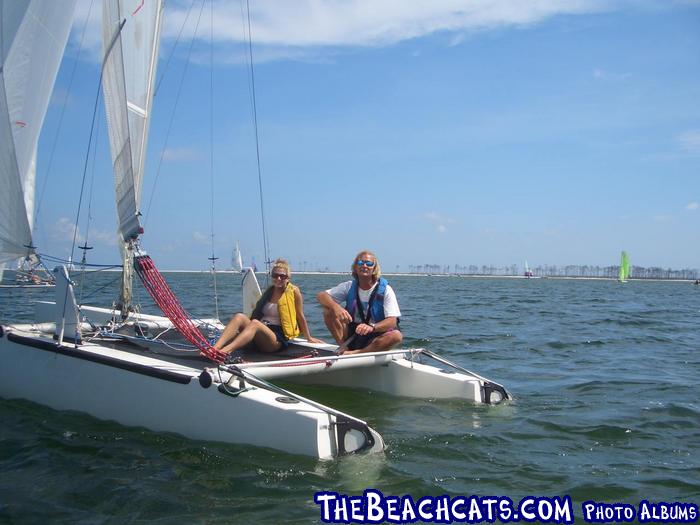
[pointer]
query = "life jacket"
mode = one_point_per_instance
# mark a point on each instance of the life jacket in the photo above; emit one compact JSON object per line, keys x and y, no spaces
{"x":286,"y":308}
{"x":376,"y":301}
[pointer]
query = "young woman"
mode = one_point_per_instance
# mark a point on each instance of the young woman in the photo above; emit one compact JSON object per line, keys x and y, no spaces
{"x":278,"y":317}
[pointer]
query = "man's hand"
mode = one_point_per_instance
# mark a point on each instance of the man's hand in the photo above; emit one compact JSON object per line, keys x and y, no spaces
{"x":364,"y":329}
{"x":342,"y":315}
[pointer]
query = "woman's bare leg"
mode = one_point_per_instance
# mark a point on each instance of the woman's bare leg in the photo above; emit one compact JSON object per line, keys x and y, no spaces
{"x":254,"y":331}
{"x":237,"y":323}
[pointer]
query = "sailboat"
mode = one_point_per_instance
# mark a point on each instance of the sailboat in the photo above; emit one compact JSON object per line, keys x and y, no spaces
{"x":161,"y":372}
{"x":528,"y":273}
{"x":34,"y":34}
{"x":236,"y":259}
{"x":624,"y":272}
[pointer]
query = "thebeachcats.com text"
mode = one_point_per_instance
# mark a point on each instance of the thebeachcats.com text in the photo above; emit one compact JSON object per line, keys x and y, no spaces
{"x":374,"y":507}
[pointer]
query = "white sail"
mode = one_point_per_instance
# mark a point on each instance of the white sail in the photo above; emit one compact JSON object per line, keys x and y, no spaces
{"x":33,"y":35}
{"x":237,"y":260}
{"x":130,"y":35}
{"x":130,"y":31}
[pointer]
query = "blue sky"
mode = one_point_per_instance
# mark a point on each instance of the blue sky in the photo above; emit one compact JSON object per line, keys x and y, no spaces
{"x":442,"y":132}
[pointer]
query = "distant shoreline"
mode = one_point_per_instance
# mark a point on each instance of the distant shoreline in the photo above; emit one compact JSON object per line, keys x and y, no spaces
{"x":426,"y":275}
{"x":454,"y":275}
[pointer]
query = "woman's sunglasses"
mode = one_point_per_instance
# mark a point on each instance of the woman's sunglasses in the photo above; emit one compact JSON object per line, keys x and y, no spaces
{"x":368,"y":264}
{"x":282,"y":276}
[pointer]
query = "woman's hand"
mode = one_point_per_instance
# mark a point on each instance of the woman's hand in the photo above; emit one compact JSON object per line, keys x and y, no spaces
{"x":315,"y":340}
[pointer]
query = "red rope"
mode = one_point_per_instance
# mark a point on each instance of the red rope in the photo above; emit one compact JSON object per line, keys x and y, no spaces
{"x":164,"y":297}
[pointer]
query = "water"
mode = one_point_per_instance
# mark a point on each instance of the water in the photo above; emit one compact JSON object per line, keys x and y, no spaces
{"x":605,"y":379}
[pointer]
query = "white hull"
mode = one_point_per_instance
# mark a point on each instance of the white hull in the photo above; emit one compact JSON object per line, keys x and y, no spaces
{"x":152,"y":383}
{"x":142,"y":391}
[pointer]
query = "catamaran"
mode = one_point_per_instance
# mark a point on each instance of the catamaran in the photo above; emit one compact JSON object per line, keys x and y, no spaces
{"x":161,"y":372}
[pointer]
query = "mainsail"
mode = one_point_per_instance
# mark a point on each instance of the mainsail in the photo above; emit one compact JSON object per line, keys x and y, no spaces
{"x":130,"y":31}
{"x":33,"y":36}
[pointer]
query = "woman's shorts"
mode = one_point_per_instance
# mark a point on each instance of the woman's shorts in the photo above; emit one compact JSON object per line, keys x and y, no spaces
{"x":279,"y":334}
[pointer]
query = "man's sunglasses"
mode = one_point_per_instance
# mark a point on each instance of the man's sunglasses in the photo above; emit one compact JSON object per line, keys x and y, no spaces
{"x":368,"y":264}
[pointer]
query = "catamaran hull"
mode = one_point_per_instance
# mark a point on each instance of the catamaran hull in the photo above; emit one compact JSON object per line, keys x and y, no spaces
{"x":392,"y":374}
{"x":400,"y":377}
{"x":97,"y":381}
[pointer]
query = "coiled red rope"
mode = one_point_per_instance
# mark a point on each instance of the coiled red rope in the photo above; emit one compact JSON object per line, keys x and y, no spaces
{"x":164,"y":297}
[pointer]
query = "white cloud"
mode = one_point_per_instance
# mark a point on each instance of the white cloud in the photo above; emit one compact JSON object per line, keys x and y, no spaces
{"x":438,"y":221}
{"x":370,"y":23}
{"x":602,"y":74}
{"x":294,"y":28}
{"x":201,"y":237}
{"x":692,"y":206}
{"x":63,"y":230}
{"x":690,"y":141}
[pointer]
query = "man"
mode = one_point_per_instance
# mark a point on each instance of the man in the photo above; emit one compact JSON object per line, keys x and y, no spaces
{"x":363,"y":314}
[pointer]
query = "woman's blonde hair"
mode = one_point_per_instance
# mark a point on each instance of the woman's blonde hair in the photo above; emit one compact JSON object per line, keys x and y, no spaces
{"x":376,"y":271}
{"x":282,"y":264}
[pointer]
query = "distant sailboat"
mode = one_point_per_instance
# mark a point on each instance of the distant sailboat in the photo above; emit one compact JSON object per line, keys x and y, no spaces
{"x":528,"y":273}
{"x":236,"y":259}
{"x":624,"y":267}
{"x":32,"y":38}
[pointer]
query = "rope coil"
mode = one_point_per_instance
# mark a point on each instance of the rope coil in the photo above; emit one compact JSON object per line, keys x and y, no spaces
{"x":164,"y":297}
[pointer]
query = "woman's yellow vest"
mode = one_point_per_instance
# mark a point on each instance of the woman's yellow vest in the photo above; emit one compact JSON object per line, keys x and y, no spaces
{"x":286,"y":307}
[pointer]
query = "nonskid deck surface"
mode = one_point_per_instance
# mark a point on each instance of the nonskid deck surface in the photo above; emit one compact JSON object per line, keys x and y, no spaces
{"x":171,"y":347}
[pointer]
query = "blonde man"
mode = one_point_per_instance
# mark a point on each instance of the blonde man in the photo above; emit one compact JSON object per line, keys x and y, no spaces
{"x":363,"y":314}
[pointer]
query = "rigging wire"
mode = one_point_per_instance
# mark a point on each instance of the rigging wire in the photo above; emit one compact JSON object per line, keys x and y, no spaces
{"x":95,"y":112}
{"x":213,"y":257}
{"x":266,"y":245}
{"x":172,"y":50}
{"x":85,"y":167}
{"x":172,"y":117}
{"x":60,"y":119}
{"x":85,"y":246}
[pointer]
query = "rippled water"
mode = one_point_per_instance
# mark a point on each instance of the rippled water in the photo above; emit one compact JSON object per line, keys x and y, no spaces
{"x":605,"y":379}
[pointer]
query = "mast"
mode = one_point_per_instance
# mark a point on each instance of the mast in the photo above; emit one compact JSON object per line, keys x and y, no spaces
{"x":131,"y":41}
